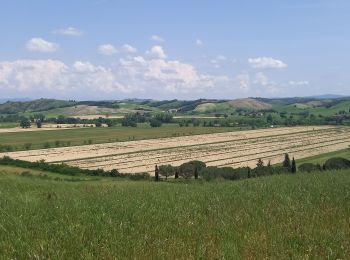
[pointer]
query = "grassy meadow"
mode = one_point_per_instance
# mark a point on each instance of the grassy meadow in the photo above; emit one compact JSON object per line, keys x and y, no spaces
{"x":302,"y":216}
{"x":71,"y":137}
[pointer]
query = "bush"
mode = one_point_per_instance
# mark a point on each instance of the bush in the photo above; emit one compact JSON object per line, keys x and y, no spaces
{"x":309,"y":167}
{"x":337,"y":163}
{"x":187,"y":170}
{"x":155,"y":123}
{"x":57,"y":168}
{"x":228,"y":173}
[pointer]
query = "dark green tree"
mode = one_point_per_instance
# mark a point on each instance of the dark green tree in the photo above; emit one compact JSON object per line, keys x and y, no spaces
{"x":155,"y":123}
{"x":38,"y":123}
{"x":294,"y":166}
{"x":260,"y":163}
{"x":25,"y":123}
{"x":196,"y":173}
{"x":156,"y":173}
{"x":286,"y":163}
{"x":176,"y":175}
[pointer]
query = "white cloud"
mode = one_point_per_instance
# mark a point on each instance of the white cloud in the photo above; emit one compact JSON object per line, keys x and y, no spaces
{"x":157,"y":38}
{"x":156,"y":52}
{"x":261,"y":79}
{"x":107,"y":49}
{"x":218,"y":60}
{"x":40,"y":45}
{"x":266,"y":63}
{"x":70,"y":31}
{"x":152,"y":77}
{"x":199,"y":42}
{"x":299,"y":83}
{"x":243,"y":81}
{"x":33,"y":75}
{"x":128,"y":48}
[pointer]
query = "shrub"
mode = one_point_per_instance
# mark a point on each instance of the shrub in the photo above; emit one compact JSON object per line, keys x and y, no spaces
{"x":309,"y":167}
{"x":337,"y":163}
{"x":187,"y":170}
{"x":228,"y":173}
{"x":155,"y":123}
{"x":27,"y":146}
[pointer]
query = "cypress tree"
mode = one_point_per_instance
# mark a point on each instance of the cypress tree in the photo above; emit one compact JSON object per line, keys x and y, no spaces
{"x":260,"y":163}
{"x":176,"y":175}
{"x":286,"y":162}
{"x":156,"y":174}
{"x":294,"y":166}
{"x":249,"y":173}
{"x":196,"y":173}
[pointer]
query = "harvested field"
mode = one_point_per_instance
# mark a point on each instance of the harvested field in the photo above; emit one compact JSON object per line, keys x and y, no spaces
{"x":234,"y":149}
{"x":47,"y":127}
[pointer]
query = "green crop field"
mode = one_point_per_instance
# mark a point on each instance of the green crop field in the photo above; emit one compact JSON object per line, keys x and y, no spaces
{"x":46,"y":139}
{"x":302,"y":216}
{"x":8,"y":124}
{"x":322,"y":158}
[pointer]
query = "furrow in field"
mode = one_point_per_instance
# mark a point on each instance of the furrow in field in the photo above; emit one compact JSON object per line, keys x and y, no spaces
{"x":220,"y":150}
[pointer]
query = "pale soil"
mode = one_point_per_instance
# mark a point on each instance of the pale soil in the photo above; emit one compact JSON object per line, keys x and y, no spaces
{"x":85,"y":110}
{"x":234,"y":149}
{"x":90,"y":117}
{"x":47,"y":127}
{"x":121,"y":116}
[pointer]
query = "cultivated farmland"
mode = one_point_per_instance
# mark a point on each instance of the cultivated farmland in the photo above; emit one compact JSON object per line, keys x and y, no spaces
{"x":235,"y":149}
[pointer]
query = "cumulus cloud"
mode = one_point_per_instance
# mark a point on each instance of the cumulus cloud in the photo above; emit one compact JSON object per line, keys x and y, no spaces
{"x":157,"y":38}
{"x":130,"y":75}
{"x":199,"y":42}
{"x":299,"y":83}
{"x":128,"y":48}
{"x":34,"y":75}
{"x":70,"y":31}
{"x":243,"y":80}
{"x":156,"y":52}
{"x":216,"y":62}
{"x":40,"y":45}
{"x":261,"y":79}
{"x":266,"y":63}
{"x":107,"y":49}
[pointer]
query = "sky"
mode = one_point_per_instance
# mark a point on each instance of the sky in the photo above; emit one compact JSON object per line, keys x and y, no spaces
{"x":184,"y":49}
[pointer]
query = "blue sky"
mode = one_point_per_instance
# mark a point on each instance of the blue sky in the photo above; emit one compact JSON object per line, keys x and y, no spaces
{"x":104,"y":49}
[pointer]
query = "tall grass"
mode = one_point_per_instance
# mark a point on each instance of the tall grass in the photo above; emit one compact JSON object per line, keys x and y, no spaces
{"x":279,"y":217}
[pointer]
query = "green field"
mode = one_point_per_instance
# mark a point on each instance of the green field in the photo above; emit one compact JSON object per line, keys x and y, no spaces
{"x":8,"y":124}
{"x":321,"y":110}
{"x":39,"y":139}
{"x":302,"y":216}
{"x":322,"y":158}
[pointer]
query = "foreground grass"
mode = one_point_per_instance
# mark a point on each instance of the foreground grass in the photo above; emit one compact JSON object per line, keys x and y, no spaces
{"x":277,"y":217}
{"x":322,"y":158}
{"x":71,"y":137}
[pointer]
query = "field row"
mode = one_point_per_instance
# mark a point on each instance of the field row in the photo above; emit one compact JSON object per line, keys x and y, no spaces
{"x":206,"y":149}
{"x":234,"y":149}
{"x":117,"y":148}
{"x":222,"y":154}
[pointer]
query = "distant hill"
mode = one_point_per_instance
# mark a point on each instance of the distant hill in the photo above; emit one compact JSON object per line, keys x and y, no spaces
{"x":33,"y":106}
{"x":4,"y":100}
{"x":245,"y":103}
{"x":52,"y":107}
{"x":328,"y":96}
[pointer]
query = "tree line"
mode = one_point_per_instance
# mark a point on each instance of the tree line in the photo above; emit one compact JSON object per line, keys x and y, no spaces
{"x":198,"y":169}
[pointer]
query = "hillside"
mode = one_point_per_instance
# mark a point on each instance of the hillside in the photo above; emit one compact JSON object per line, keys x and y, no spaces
{"x":275,"y":217}
{"x":33,"y":106}
{"x":246,"y":103}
